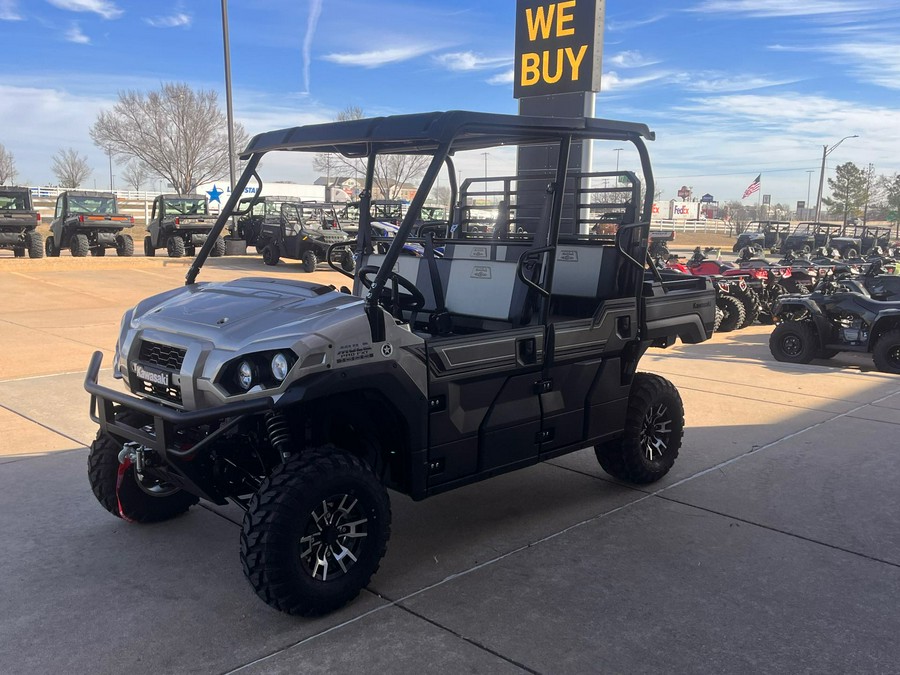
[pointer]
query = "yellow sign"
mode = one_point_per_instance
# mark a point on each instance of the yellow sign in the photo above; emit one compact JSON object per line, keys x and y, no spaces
{"x":558,"y":46}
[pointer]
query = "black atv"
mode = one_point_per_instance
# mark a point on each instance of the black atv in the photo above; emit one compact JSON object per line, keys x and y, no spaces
{"x":833,"y":319}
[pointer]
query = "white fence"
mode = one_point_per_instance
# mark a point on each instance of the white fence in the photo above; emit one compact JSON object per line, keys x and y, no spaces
{"x":53,"y":192}
{"x":713,"y":226}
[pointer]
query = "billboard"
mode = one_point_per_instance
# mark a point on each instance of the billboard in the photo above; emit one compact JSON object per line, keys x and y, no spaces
{"x":559,"y":46}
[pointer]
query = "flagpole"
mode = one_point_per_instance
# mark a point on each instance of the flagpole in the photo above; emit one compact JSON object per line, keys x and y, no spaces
{"x":759,"y":198}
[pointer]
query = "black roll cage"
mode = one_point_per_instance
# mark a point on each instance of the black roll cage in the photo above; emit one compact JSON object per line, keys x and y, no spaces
{"x":440,"y":135}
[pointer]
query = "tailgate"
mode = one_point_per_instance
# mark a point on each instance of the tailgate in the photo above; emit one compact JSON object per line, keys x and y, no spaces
{"x":683,"y":307}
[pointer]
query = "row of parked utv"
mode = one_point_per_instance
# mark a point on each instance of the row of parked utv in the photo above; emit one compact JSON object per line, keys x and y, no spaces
{"x":848,"y":241}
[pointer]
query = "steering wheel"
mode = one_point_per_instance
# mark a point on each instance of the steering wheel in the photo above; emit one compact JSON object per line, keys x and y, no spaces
{"x":415,"y":300}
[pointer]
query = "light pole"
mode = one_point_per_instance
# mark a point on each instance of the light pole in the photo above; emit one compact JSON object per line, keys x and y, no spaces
{"x":825,"y":152}
{"x":617,"y":151}
{"x":228,"y":110}
{"x":485,"y":155}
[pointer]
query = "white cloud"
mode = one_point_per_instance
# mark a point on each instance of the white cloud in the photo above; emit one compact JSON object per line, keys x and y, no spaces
{"x":315,"y":10}
{"x":75,"y":35}
{"x":9,"y":11}
{"x":105,"y":8}
{"x":380,"y":57}
{"x":506,"y":77}
{"x":177,"y":20}
{"x":614,"y":26}
{"x":611,"y":81}
{"x":717,"y":83}
{"x":871,"y":59}
{"x":630,"y":59}
{"x":463,"y":61}
{"x":773,"y":8}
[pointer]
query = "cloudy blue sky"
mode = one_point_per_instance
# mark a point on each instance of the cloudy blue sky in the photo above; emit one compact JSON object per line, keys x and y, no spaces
{"x":733,"y":88}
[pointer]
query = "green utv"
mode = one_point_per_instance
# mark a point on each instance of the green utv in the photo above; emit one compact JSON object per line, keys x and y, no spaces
{"x":486,"y":351}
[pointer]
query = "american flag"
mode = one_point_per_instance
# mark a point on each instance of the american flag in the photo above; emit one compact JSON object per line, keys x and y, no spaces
{"x":753,"y":187}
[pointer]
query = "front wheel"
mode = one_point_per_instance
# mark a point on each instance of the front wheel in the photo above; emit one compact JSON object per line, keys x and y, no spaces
{"x":50,"y":247}
{"x":794,"y":342}
{"x":149,"y":250}
{"x":309,"y":261}
{"x":270,"y":255}
{"x":654,"y":425}
{"x":315,"y":532}
{"x":887,"y":352}
{"x":125,"y":494}
{"x":218,"y":249}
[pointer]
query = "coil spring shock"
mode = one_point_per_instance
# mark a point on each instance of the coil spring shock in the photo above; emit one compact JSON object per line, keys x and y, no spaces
{"x":279,"y":433}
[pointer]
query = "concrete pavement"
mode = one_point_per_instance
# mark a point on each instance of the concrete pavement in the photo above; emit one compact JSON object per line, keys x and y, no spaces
{"x":771,"y":547}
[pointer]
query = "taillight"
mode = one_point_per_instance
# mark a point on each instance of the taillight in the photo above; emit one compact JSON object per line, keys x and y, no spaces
{"x":131,"y":218}
{"x":80,"y":219}
{"x":39,"y":216}
{"x":178,"y":221}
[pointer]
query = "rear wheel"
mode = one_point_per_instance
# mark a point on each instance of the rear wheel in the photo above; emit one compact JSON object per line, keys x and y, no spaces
{"x":734,"y":313}
{"x":309,"y":261}
{"x":654,"y":425}
{"x":218,"y":249}
{"x":348,"y":263}
{"x":149,"y":251}
{"x":751,"y":304}
{"x":794,"y":342}
{"x":719,"y":316}
{"x":887,"y":352}
{"x":18,"y":252}
{"x":124,"y":245}
{"x":850,"y":252}
{"x":80,"y":246}
{"x":50,"y":247}
{"x":315,"y":532}
{"x":34,"y":242}
{"x":175,"y":247}
{"x":270,"y":255}
{"x":125,"y":494}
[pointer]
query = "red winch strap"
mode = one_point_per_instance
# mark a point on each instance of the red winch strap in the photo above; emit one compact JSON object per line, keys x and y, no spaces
{"x":120,"y":476}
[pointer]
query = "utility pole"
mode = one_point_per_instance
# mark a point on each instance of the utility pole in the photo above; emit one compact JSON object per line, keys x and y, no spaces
{"x":825,"y":152}
{"x":869,"y":173}
{"x":809,"y":174}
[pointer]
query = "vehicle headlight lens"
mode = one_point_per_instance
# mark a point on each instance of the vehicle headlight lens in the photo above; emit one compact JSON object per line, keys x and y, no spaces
{"x":245,"y":375}
{"x":280,"y":366}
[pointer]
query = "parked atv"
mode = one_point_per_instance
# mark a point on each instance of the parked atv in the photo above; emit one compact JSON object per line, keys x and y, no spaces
{"x":737,"y":304}
{"x":18,"y":223}
{"x":89,"y":222}
{"x":180,"y":224}
{"x":831,"y":320}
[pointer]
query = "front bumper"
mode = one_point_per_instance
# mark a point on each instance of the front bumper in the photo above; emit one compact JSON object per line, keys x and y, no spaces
{"x":106,"y":403}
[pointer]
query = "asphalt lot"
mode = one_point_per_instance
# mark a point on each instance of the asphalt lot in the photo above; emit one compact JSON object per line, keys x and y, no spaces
{"x":772,"y":546}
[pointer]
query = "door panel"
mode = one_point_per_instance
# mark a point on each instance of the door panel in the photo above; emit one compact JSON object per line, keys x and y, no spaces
{"x":485,"y":411}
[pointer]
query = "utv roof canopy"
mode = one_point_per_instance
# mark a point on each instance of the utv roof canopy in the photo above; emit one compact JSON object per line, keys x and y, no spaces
{"x":423,"y":133}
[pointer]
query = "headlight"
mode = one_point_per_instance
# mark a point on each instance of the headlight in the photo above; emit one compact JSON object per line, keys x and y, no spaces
{"x":257,"y":370}
{"x":245,"y":375}
{"x":280,"y":366}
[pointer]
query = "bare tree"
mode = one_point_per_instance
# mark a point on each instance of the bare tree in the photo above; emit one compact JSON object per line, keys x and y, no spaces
{"x":71,"y":168}
{"x":135,"y":174}
{"x":178,"y":132}
{"x":392,"y":172}
{"x":7,"y":166}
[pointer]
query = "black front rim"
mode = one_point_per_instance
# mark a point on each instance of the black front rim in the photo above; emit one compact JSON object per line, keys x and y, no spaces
{"x":792,"y":345}
{"x":893,"y":356}
{"x":334,"y":537}
{"x":656,"y":432}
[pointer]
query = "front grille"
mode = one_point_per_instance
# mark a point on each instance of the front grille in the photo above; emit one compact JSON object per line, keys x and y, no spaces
{"x":172,"y":393}
{"x":163,"y":356}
